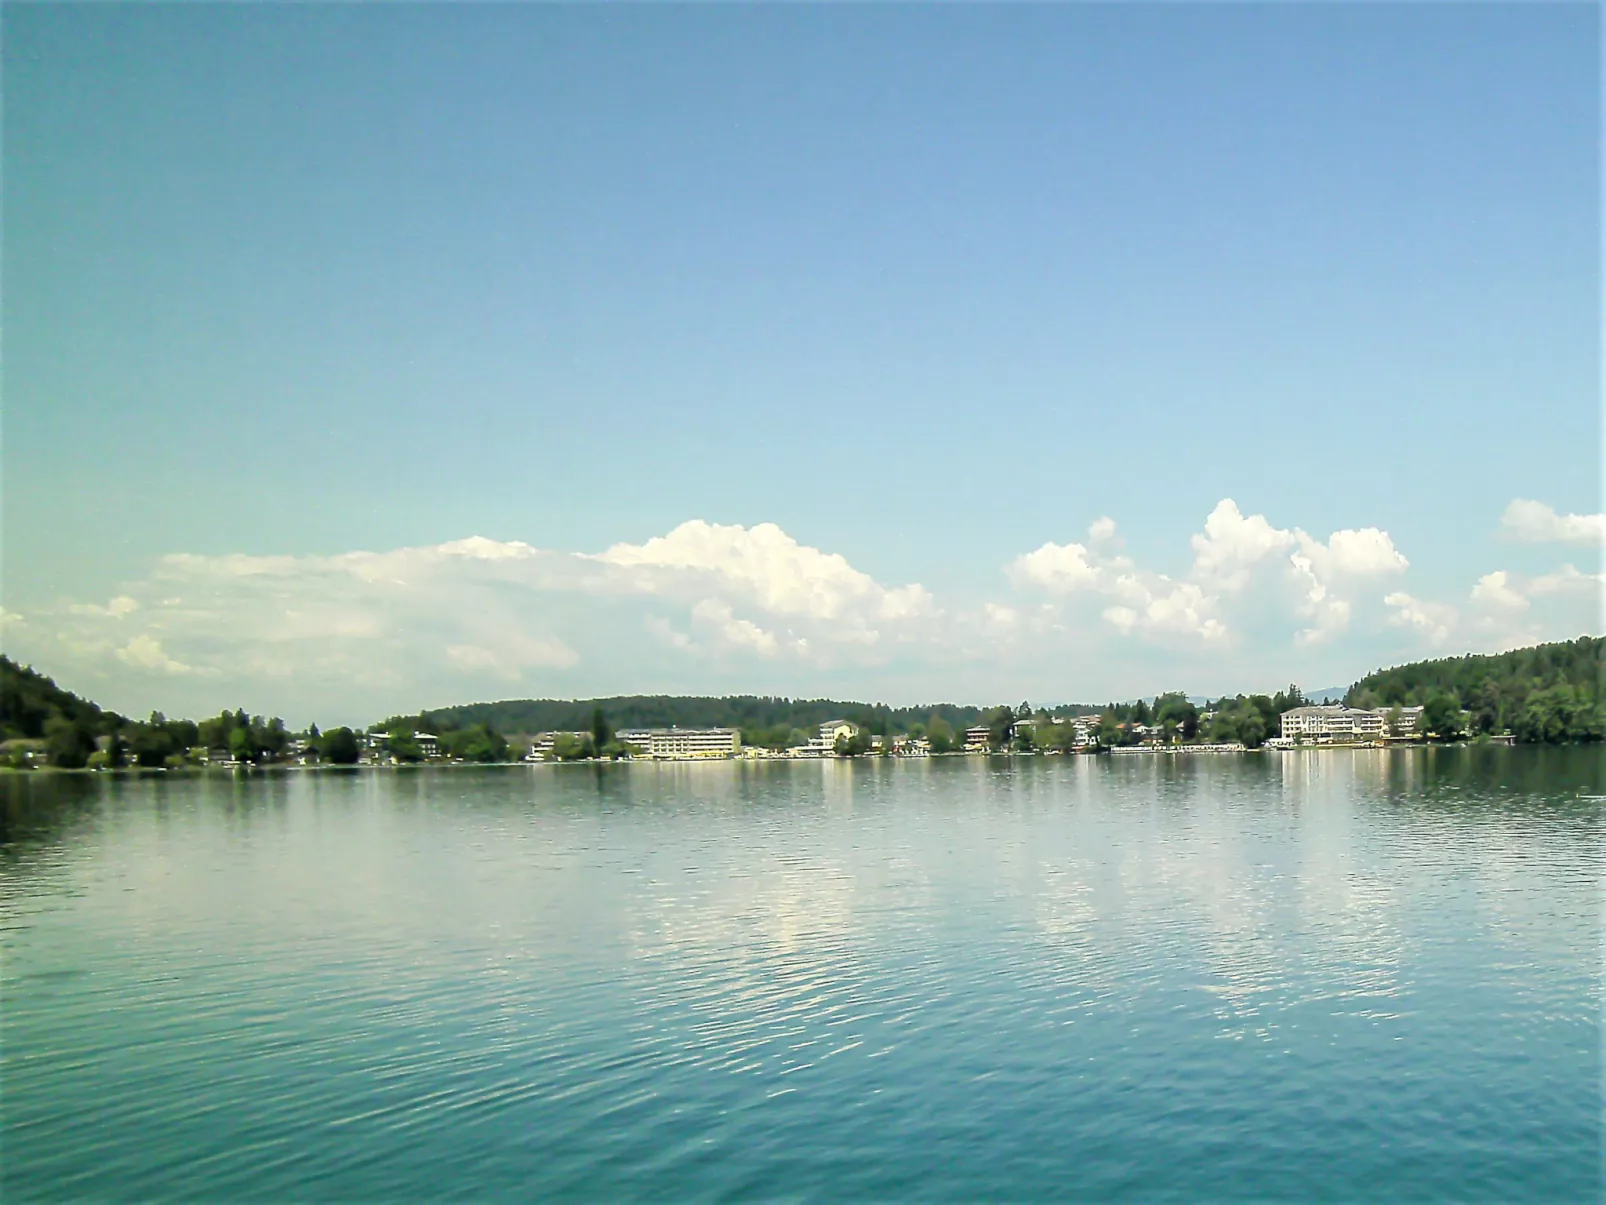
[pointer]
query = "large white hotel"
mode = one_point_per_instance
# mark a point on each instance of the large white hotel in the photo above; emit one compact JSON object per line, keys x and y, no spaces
{"x":682,"y":743}
{"x":1339,"y":723}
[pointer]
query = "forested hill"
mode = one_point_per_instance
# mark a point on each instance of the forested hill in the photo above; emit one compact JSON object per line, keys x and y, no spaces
{"x":751,"y":713}
{"x":1549,"y":692}
{"x":29,"y":701}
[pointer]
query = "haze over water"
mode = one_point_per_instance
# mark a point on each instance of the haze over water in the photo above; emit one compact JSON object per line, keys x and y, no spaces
{"x":1344,"y":976}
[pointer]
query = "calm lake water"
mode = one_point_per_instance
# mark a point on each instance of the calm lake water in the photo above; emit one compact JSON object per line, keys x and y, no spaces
{"x":1338,"y":976}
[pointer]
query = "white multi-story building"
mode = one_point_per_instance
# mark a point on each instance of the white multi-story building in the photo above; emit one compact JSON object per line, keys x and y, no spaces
{"x":1407,"y":719}
{"x":1329,"y":723}
{"x":824,"y":745}
{"x":1339,"y":723}
{"x":683,"y":743}
{"x":639,"y":740}
{"x":541,"y":746}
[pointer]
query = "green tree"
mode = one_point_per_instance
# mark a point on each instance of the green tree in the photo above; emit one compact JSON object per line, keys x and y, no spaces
{"x":571,"y":746}
{"x":854,"y":745}
{"x":67,"y":743}
{"x":1055,"y":736}
{"x":940,"y":734}
{"x":1109,"y":730}
{"x":149,"y":743}
{"x":481,"y":743}
{"x":214,"y":733}
{"x":778,"y":736}
{"x":270,"y":737}
{"x":1441,"y":717}
{"x":601,"y":733}
{"x":184,"y":733}
{"x":404,"y":747}
{"x":340,"y":747}
{"x":1486,"y":708}
{"x":1000,"y":727}
{"x":1251,"y":727}
{"x":240,"y":747}
{"x":1287,"y":700}
{"x":1559,"y":714}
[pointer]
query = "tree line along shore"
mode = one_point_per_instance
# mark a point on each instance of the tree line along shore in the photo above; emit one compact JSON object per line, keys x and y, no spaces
{"x":1546,"y":694}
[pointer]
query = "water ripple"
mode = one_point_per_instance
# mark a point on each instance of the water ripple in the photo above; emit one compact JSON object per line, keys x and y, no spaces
{"x":958,"y":979}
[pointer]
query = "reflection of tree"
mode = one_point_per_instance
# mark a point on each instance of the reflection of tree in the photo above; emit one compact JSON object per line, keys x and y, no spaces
{"x":36,"y":808}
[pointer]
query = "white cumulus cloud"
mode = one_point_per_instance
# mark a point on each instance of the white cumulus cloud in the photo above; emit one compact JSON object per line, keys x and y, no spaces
{"x":1239,"y":562}
{"x":772,"y":569}
{"x":1497,"y":590}
{"x":1056,"y":568}
{"x":1434,"y":620}
{"x":1531,"y":522}
{"x":1507,"y":610}
{"x":477,"y":616}
{"x":1231,"y":545}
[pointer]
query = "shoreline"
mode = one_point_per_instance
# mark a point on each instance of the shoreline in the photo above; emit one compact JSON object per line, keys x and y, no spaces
{"x":248,"y":770}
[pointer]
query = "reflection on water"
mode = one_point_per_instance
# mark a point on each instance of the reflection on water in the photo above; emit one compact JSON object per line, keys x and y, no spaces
{"x":1212,"y":978}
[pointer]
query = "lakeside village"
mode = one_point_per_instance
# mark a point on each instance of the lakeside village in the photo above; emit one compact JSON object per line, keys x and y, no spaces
{"x":1548,"y":694}
{"x":1172,"y":725}
{"x":1319,"y":725}
{"x":1007,"y":732}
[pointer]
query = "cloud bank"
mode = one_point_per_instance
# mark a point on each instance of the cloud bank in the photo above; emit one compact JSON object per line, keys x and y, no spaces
{"x":725,"y":607}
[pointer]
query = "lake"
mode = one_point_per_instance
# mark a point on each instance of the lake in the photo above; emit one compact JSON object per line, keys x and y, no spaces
{"x":1338,"y":976}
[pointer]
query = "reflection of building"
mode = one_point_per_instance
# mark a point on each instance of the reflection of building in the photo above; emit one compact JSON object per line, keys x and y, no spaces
{"x":1339,"y":723}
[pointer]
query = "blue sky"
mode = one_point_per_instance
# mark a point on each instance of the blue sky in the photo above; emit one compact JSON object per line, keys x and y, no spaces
{"x":931,"y":290}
